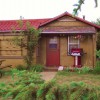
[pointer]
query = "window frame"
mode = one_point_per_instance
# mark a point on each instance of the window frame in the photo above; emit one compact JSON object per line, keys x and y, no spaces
{"x":78,"y":43}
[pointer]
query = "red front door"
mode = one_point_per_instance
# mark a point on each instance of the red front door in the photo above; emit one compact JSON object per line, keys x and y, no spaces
{"x":53,"y":54}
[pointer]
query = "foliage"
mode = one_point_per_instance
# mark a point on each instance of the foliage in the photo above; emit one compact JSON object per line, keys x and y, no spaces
{"x":98,"y":34}
{"x":74,"y":91}
{"x":97,"y":21}
{"x":96,"y":69}
{"x":24,"y":87}
{"x":5,"y":72}
{"x":37,"y":68}
{"x":49,"y":90}
{"x":79,"y":4}
{"x":20,"y":67}
{"x":2,"y":72}
{"x":27,"y":40}
{"x":98,"y":41}
{"x":44,"y":88}
{"x":98,"y":53}
{"x":64,"y":72}
{"x":26,"y":77}
{"x":84,"y":70}
{"x":67,"y":69}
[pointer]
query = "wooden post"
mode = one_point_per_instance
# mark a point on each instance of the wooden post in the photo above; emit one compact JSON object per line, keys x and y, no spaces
{"x":93,"y":48}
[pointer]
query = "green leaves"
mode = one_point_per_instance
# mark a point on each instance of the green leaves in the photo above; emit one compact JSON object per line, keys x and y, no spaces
{"x":98,"y":53}
{"x":79,"y":4}
{"x":78,"y":7}
{"x":28,"y":40}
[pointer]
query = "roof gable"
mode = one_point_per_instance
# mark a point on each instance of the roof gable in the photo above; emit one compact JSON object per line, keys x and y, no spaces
{"x":71,"y":16}
{"x":7,"y":25}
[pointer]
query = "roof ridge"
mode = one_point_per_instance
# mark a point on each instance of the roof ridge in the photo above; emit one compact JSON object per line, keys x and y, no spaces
{"x":25,"y":19}
{"x":71,"y":15}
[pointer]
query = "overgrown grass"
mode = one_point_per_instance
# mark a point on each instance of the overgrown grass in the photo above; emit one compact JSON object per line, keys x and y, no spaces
{"x":67,"y":85}
{"x":67,"y":77}
{"x":21,"y":67}
{"x":37,"y":68}
{"x":52,"y":91}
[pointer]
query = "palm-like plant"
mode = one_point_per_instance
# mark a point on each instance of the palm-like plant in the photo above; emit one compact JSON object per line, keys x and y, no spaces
{"x":79,"y":4}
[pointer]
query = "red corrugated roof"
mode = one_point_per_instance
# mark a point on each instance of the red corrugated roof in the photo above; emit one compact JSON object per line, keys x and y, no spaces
{"x":8,"y":25}
{"x":68,"y":14}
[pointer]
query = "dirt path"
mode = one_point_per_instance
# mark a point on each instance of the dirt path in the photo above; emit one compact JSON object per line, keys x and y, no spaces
{"x":48,"y":75}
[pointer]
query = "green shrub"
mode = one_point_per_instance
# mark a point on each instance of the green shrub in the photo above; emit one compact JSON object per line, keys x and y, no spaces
{"x":37,"y":68}
{"x":67,"y":69}
{"x":96,"y":69}
{"x":20,"y":67}
{"x":51,"y":91}
{"x":26,"y":77}
{"x":84,"y":70}
{"x":98,"y":53}
{"x":5,"y":72}
{"x":25,"y":86}
{"x":44,"y":88}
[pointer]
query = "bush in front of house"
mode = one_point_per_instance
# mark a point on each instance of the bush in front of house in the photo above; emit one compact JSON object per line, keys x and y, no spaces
{"x":37,"y":68}
{"x":25,"y":86}
{"x":96,"y":69}
{"x":20,"y":67}
{"x":84,"y":70}
{"x":52,"y":91}
{"x":30,"y":86}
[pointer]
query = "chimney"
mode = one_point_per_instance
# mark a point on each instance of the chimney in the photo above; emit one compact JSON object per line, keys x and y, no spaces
{"x":84,"y":17}
{"x":21,"y":17}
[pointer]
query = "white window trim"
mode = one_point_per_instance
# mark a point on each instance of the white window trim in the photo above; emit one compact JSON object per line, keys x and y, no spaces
{"x":72,"y":43}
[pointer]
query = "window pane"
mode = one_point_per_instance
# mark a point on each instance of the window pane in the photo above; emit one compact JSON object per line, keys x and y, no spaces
{"x":72,"y":43}
{"x":72,"y":39}
{"x":53,"y":40}
{"x":53,"y":46}
{"x":53,"y":43}
{"x":72,"y":46}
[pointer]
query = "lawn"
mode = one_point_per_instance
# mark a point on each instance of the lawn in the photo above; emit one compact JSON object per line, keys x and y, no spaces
{"x":67,"y":77}
{"x":61,"y":77}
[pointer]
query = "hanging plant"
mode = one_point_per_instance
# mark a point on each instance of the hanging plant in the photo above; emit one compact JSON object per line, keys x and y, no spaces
{"x":80,"y":37}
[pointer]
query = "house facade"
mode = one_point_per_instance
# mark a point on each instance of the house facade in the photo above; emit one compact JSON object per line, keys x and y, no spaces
{"x":65,"y":40}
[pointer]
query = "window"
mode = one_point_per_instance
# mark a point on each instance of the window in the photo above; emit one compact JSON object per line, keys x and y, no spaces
{"x":53,"y":43}
{"x":72,"y":43}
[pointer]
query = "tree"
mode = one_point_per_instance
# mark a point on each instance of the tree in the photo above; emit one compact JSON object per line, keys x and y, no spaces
{"x":98,"y":35}
{"x":79,"y":4}
{"x":97,"y":21}
{"x":27,"y":40}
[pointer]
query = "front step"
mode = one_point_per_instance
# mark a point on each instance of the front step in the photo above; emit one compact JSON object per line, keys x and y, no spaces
{"x":51,"y":69}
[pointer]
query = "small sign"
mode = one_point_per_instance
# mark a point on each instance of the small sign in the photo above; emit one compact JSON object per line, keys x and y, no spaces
{"x":76,"y":51}
{"x":60,"y":68}
{"x":75,"y":54}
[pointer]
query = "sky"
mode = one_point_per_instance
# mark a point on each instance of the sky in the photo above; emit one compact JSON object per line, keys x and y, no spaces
{"x":35,"y":9}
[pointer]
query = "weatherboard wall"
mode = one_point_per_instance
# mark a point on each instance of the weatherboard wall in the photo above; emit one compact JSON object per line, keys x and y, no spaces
{"x":12,"y":54}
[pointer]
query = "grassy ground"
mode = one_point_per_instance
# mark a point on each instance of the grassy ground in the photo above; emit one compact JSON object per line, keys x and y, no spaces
{"x":64,"y":77}
{"x":67,"y":77}
{"x":6,"y":79}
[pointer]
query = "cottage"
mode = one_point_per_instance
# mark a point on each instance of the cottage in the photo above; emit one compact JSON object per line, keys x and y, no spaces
{"x":65,"y":40}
